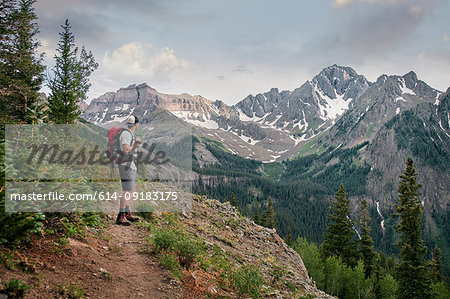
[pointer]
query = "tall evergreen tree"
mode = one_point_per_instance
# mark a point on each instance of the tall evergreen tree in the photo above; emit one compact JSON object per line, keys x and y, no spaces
{"x":339,"y":236}
{"x":412,"y":275}
{"x":7,"y":8}
{"x":268,"y":217}
{"x":435,"y":264}
{"x":367,"y":251}
{"x":233,"y":201}
{"x":256,"y":212}
{"x":289,"y":236}
{"x":21,"y":69}
{"x":71,"y":78}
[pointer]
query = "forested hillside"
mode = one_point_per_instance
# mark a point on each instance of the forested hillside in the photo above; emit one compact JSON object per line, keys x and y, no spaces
{"x":302,"y":188}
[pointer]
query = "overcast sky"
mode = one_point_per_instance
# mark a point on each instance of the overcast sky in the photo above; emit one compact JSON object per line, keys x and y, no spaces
{"x":227,"y":49}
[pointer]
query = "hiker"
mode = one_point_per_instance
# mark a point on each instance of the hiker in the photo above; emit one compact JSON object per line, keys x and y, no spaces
{"x":128,"y":169}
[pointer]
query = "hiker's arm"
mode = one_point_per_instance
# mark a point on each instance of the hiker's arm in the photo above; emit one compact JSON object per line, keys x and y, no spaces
{"x":126,"y":148}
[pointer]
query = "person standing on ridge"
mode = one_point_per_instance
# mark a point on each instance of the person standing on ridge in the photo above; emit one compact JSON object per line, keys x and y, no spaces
{"x":128,"y":169}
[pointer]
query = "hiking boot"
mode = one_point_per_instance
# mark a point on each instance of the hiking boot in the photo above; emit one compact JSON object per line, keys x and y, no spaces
{"x":130,"y":217}
{"x":122,"y":220}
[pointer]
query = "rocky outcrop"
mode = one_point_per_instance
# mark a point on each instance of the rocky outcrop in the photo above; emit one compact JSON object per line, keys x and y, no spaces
{"x":113,"y":107}
{"x":243,"y":242}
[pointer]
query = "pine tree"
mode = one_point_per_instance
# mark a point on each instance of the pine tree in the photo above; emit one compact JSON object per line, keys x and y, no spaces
{"x":256,"y":212}
{"x":289,"y":237}
{"x":233,"y":201}
{"x":367,"y":251}
{"x":7,"y":8}
{"x":412,"y":274}
{"x":71,"y":78}
{"x":21,"y":69}
{"x":339,"y":236}
{"x":435,"y":265}
{"x":268,"y":217}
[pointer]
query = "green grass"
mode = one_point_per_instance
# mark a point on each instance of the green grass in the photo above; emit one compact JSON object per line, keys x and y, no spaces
{"x":311,"y":146}
{"x":8,"y":260}
{"x":246,"y":280}
{"x":71,"y":290}
{"x":369,"y":132}
{"x":216,"y":144}
{"x":145,"y":210}
{"x":14,"y":288}
{"x":170,"y":261}
{"x":165,"y":239}
{"x":273,"y":170}
{"x":174,"y":241}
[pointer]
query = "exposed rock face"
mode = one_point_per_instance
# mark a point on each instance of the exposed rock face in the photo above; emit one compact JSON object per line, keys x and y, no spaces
{"x":117,"y":106}
{"x":246,"y":243}
{"x":423,"y":133}
{"x":309,"y":109}
{"x":83,"y":105}
{"x":387,"y":97}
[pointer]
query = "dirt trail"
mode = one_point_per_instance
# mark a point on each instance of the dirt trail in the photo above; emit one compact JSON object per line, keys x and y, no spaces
{"x":111,"y":266}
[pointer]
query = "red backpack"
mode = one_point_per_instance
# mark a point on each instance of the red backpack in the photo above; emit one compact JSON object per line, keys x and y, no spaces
{"x":113,"y":150}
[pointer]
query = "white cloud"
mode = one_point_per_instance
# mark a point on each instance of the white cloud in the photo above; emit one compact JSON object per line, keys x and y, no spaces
{"x":135,"y":63}
{"x":141,"y":61}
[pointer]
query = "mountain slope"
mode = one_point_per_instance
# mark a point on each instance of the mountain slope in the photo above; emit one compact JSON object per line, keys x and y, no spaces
{"x":317,"y":103}
{"x":218,"y":247}
{"x":267,"y":127}
{"x":387,"y":97}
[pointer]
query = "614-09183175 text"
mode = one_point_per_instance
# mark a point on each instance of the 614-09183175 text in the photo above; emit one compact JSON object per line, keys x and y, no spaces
{"x":108,"y":196}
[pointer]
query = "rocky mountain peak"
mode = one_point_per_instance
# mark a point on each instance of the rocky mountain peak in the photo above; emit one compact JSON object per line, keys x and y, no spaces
{"x":408,"y":87}
{"x":410,"y":80}
{"x":337,"y":80}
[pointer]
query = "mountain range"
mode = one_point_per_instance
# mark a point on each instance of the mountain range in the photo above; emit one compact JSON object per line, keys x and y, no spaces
{"x":337,"y":127}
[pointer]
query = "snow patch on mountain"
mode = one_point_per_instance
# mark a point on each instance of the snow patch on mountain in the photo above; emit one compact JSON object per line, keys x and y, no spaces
{"x":333,"y":107}
{"x":193,"y":118}
{"x":247,"y":139}
{"x":379,"y":213}
{"x":437,"y":98}
{"x":399,"y":99}
{"x":244,"y":117}
{"x":119,"y":118}
{"x":404,"y":89}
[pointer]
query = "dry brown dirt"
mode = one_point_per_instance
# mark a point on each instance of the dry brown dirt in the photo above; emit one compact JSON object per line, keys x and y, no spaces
{"x":113,"y":265}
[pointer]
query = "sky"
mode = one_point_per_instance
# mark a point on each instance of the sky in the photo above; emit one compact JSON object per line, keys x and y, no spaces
{"x":228,"y":49}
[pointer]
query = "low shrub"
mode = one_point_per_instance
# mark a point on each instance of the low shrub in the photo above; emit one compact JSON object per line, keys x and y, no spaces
{"x":170,"y":261}
{"x":15,"y":288}
{"x":71,"y":290}
{"x":246,"y":280}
